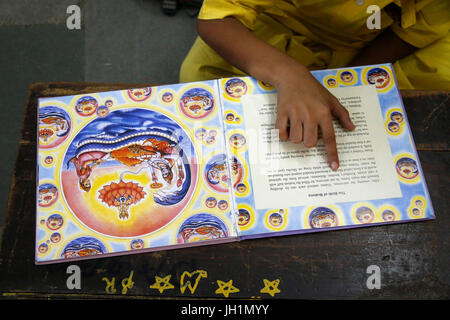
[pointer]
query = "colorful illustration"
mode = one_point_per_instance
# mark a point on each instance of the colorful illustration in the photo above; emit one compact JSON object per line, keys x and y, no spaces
{"x":347,"y":77}
{"x":167,"y":97}
{"x":197,"y":103}
{"x":83,"y":247}
{"x":378,"y":77}
{"x":394,"y":122}
{"x":102,"y":111}
{"x":55,"y":221}
{"x":236,"y":88}
{"x":47,"y":195}
{"x":121,"y":171}
{"x":323,"y":217}
{"x":54,"y":126}
{"x":217,"y":173}
{"x":140,"y":94}
{"x":407,"y":168}
{"x":121,"y":195}
{"x":243,"y":217}
{"x":331,"y":82}
{"x":237,"y":141}
{"x":200,"y":227}
{"x":381,"y":77}
{"x":137,"y":244}
{"x":86,"y":106}
{"x":276,"y":219}
{"x":365,"y":214}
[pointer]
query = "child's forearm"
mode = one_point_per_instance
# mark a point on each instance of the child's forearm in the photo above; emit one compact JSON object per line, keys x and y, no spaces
{"x":236,"y":44}
{"x":303,"y":105}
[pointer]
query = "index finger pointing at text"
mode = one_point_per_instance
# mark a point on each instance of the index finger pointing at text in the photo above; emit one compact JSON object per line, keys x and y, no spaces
{"x":329,"y":139}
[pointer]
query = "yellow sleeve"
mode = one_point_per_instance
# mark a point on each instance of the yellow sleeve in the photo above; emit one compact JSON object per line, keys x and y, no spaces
{"x":245,"y":11}
{"x":432,"y":23}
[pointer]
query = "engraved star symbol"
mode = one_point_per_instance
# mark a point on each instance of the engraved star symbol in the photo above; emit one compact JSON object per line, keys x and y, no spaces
{"x":271,"y":287}
{"x":162,"y":283}
{"x":226,"y":288}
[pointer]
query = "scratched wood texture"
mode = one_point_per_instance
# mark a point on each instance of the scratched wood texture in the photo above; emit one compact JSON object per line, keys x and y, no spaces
{"x":413,"y":257}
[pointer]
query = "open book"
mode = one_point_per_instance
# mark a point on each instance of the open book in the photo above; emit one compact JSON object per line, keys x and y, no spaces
{"x":181,"y":165}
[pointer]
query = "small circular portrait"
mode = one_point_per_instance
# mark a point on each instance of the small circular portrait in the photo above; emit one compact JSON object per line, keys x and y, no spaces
{"x":388,"y":215}
{"x":197,"y":103}
{"x":200,"y":227}
{"x":139,"y":94}
{"x":378,"y":77}
{"x":229,"y":117}
{"x":210,"y":202}
{"x":54,"y":127}
{"x":43,"y":248}
{"x":241,"y":188}
{"x":396,"y":117}
{"x":212,"y":133}
{"x":86,"y":106}
{"x":365,"y":215}
{"x":243,"y":217}
{"x":217,"y":175}
{"x":237,"y":141}
{"x":48,"y":160}
{"x":416,"y":212}
{"x":48,"y":194}
{"x":167,"y":97}
{"x":346,"y":76}
{"x":236,"y":88}
{"x":222,"y":205}
{"x":109,"y":103}
{"x":419,"y":203}
{"x":330,"y":82}
{"x":55,"y":237}
{"x":83,"y":247}
{"x":210,"y":139}
{"x":323,"y":217}
{"x":407,"y":168}
{"x":55,"y":221}
{"x":393,"y":127}
{"x":102,"y":111}
{"x":275,"y":219}
{"x":201,"y":133}
{"x":137,"y":244}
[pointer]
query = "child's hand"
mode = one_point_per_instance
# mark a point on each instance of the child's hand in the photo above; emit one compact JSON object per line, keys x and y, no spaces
{"x":304,"y":107}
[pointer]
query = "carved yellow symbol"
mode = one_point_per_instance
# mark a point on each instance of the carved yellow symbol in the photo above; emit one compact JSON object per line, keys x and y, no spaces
{"x":200,"y":274}
{"x":110,"y":285}
{"x":226,"y":288}
{"x":162,"y":284}
{"x":271,"y":287}
{"x":127,"y":283}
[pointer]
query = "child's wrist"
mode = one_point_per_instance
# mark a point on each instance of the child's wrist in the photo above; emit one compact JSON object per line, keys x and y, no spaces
{"x":284,"y":71}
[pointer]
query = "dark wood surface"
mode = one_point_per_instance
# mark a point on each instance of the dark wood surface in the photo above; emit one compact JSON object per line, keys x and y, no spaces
{"x":413,"y":258}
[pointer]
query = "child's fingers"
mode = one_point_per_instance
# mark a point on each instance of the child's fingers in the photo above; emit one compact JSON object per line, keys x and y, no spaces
{"x":310,"y":134}
{"x":342,"y":114}
{"x":329,"y":140}
{"x":282,"y":126}
{"x":296,"y":131}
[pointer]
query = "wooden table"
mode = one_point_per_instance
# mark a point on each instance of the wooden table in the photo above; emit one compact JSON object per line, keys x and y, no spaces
{"x":413,"y":257}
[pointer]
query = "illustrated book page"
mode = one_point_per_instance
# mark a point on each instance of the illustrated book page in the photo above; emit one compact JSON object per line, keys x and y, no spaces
{"x":288,"y":188}
{"x":181,"y":165}
{"x":131,"y":171}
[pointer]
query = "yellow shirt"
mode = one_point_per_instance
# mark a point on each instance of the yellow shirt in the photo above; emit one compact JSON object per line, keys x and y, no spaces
{"x":340,"y":24}
{"x":323,"y":34}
